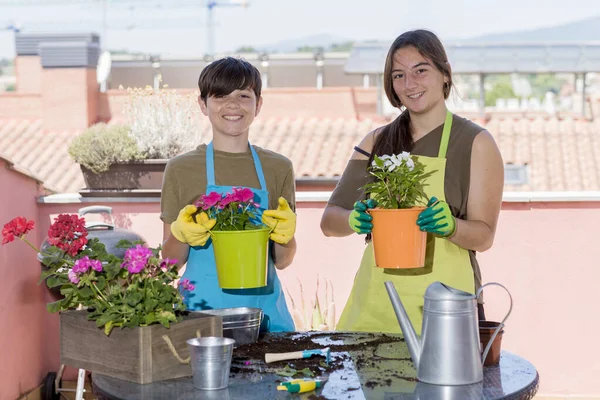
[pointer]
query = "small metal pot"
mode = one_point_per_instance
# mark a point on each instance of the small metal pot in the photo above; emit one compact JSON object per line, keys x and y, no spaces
{"x":105,"y":232}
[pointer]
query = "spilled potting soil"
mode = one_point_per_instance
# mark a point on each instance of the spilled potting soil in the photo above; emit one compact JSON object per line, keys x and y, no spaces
{"x":366,"y":360}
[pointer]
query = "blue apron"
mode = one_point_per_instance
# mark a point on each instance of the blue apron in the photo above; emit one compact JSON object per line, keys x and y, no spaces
{"x":202,"y":272}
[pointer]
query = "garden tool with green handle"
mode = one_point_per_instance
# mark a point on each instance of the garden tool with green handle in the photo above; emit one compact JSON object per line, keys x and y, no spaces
{"x":300,"y":385}
{"x":272,"y":357}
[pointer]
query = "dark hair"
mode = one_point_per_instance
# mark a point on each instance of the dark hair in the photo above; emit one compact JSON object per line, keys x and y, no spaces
{"x":396,"y":136}
{"x":221,"y":77}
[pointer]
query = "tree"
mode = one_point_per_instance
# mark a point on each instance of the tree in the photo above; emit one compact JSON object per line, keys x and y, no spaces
{"x":246,"y":49}
{"x":310,"y":49}
{"x":126,"y":52}
{"x":500,"y":87}
{"x":345,"y":46}
{"x":5,"y":63}
{"x":542,"y":83}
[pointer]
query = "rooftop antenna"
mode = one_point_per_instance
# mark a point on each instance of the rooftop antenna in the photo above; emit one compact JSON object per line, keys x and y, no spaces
{"x":104,"y":24}
{"x":210,"y":6}
{"x":105,"y":60}
{"x":103,"y":69}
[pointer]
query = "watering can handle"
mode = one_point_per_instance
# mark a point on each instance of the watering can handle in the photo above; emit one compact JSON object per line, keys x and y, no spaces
{"x":489,"y":343}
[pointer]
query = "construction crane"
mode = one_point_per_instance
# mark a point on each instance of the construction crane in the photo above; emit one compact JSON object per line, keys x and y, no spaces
{"x":210,"y":8}
{"x":12,"y":26}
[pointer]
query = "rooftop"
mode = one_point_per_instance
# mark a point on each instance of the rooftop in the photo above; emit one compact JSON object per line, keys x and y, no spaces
{"x":556,"y":154}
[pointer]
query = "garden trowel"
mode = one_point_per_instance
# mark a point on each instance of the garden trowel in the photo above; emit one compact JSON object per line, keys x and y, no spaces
{"x":272,"y":357}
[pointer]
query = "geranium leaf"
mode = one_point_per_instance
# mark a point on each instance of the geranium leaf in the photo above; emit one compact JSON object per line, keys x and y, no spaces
{"x":133,"y":298}
{"x":85,"y":292}
{"x":108,"y":328}
{"x":54,"y":307}
{"x":53,"y":282}
{"x":105,"y":318}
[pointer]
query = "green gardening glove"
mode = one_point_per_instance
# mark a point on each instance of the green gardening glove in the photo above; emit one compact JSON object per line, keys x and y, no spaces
{"x":359,"y":219}
{"x":437,"y":218}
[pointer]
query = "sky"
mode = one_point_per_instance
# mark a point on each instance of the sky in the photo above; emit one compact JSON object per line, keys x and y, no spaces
{"x":178,"y":27}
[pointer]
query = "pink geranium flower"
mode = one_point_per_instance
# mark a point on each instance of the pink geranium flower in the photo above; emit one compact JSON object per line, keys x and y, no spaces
{"x":73,"y":277}
{"x":136,"y":258}
{"x":242,"y":195}
{"x":208,"y":200}
{"x":229,"y":198}
{"x":82,"y":265}
{"x":235,"y":210}
{"x":185,"y":285}
{"x":167,"y":263}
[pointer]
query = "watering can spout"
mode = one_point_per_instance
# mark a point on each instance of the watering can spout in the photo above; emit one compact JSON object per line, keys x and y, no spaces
{"x":410,"y":336}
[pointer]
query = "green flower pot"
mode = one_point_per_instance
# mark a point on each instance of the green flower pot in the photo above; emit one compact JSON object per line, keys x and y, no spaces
{"x":241,"y":258}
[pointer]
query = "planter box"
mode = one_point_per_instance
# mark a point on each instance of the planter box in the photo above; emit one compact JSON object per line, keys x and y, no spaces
{"x":139,"y":355}
{"x":143,"y":177}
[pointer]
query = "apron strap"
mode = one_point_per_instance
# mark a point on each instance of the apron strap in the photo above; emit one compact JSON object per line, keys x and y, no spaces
{"x":445,"y":135}
{"x":210,"y":166}
{"x":259,"y":170}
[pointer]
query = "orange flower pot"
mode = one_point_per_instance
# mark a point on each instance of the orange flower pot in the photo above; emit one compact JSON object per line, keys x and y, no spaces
{"x":397,"y":240}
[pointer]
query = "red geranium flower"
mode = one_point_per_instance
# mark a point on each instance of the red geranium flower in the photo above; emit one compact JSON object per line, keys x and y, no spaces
{"x":16,"y":228}
{"x":68,"y":233}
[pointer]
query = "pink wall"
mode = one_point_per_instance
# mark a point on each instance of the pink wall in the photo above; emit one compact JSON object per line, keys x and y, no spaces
{"x":546,"y":256}
{"x":22,"y":302}
{"x":543,"y":254}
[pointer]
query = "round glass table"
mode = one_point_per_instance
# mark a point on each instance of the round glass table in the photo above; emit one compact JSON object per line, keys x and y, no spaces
{"x":362,"y":366}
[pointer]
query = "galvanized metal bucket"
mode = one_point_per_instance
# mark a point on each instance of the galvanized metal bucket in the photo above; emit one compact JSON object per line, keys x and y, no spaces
{"x":211,"y":362}
{"x":241,"y":324}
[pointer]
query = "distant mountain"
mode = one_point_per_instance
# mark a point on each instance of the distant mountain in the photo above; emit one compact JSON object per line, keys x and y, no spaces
{"x":292,"y":45}
{"x":583,"y":30}
{"x":578,"y":31}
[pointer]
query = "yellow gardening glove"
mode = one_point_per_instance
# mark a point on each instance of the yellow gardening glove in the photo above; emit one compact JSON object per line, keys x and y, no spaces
{"x":186,"y":230}
{"x":282,"y":221}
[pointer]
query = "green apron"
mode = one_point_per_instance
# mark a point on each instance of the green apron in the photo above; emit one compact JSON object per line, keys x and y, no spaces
{"x":369,"y":308}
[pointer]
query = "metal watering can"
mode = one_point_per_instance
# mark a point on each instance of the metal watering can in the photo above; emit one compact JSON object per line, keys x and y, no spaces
{"x":448,"y":351}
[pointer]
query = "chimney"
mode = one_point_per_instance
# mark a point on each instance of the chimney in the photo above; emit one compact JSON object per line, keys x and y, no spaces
{"x":28,"y":71}
{"x":28,"y":68}
{"x":70,"y":92}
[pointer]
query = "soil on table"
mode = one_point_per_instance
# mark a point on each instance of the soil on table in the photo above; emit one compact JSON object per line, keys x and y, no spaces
{"x":251,"y":357}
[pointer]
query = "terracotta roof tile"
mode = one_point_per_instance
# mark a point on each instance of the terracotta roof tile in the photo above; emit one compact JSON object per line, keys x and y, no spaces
{"x":42,"y":152}
{"x":560,"y":154}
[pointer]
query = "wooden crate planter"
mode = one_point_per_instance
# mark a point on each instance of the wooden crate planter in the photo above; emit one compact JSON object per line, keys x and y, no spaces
{"x":140,"y":355}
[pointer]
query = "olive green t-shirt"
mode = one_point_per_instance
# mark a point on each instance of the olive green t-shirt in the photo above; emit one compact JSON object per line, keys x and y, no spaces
{"x":185,"y":177}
